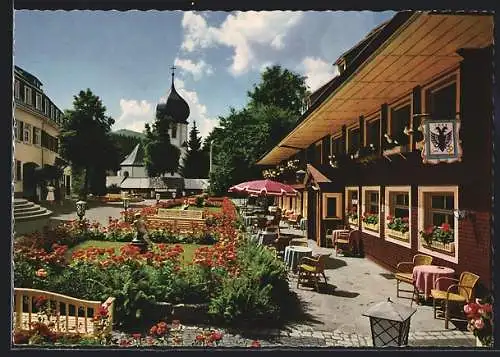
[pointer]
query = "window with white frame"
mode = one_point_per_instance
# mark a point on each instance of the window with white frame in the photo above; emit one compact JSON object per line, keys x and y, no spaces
{"x":332,"y":205}
{"x":27,"y":133}
{"x":371,"y":210}
{"x":174,"y":131}
{"x":46,"y":108}
{"x":398,"y":215}
{"x":352,"y":206}
{"x":38,"y":101}
{"x":27,"y":95}
{"x":17,"y":89}
{"x":438,"y":226}
{"x":37,"y":136}
{"x":353,"y":140}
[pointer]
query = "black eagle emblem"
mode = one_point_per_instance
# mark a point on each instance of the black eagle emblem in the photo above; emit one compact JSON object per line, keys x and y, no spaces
{"x":442,"y":139}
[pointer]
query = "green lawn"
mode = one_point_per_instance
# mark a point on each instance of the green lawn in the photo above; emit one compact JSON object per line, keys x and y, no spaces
{"x":188,"y":248}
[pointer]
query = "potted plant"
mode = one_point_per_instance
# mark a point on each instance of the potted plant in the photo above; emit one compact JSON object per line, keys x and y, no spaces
{"x":398,"y":227}
{"x":480,"y":322}
{"x":352,"y":215}
{"x":370,"y":221}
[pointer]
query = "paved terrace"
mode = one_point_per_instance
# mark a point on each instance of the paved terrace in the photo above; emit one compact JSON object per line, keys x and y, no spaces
{"x":333,"y":315}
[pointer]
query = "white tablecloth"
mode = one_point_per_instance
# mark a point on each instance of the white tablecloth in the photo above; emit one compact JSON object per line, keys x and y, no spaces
{"x":293,"y":254}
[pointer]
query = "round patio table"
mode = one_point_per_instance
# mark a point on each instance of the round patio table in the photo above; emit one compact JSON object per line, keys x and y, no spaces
{"x":248,"y":220}
{"x":267,"y":238}
{"x":293,"y":254}
{"x":425,"y":276}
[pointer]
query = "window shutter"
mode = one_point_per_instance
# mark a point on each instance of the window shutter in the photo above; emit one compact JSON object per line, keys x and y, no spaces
{"x":21,"y":131}
{"x":34,"y":135}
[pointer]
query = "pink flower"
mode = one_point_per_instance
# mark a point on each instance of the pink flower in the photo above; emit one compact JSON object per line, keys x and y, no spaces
{"x":479,"y":324}
{"x":467,"y":309}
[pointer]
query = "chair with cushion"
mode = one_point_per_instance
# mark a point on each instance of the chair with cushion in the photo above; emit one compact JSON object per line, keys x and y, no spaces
{"x":463,"y":293}
{"x":404,"y":272}
{"x":342,"y":240}
{"x":310,"y":268}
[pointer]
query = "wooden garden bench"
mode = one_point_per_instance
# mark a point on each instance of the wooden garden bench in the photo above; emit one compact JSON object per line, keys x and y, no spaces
{"x":70,"y":315}
{"x":186,"y":221}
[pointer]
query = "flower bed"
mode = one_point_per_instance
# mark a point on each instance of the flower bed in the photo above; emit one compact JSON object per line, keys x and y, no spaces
{"x":237,"y":280}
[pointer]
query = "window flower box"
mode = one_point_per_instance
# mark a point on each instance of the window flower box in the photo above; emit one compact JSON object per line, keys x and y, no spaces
{"x":402,"y":236}
{"x":353,"y":221}
{"x":371,"y":226}
{"x":371,"y":222}
{"x":398,"y":228}
{"x":439,"y":239}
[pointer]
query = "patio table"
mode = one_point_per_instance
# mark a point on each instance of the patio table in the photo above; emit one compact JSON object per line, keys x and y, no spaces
{"x":293,"y":254}
{"x":267,"y":238}
{"x":425,"y":276}
{"x":248,"y":220}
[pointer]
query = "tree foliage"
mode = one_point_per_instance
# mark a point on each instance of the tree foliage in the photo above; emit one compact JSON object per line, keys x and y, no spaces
{"x":160,"y":156}
{"x":194,"y":164}
{"x":85,"y":140}
{"x":280,"y":88}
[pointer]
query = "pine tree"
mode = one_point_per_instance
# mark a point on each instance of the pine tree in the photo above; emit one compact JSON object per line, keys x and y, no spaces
{"x":193,"y":164}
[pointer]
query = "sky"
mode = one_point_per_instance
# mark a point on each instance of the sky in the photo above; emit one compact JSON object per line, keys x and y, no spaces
{"x":126,"y":57}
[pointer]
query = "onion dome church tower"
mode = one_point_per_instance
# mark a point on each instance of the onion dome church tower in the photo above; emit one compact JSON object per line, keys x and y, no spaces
{"x":176,"y":110}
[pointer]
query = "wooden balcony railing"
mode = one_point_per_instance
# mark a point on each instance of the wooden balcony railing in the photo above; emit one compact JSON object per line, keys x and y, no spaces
{"x":67,"y":314}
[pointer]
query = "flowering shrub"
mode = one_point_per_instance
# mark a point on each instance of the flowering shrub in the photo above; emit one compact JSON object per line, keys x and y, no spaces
{"x":399,"y":224}
{"x":208,"y":338}
{"x":480,"y":320}
{"x":370,"y":218}
{"x":443,"y":234}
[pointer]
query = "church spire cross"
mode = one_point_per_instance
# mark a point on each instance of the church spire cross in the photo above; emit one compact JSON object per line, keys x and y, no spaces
{"x":173,"y":68}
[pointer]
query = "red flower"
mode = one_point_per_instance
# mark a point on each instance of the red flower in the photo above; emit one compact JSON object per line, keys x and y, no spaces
{"x":153,"y":330}
{"x":217,"y":336}
{"x":41,"y":273}
{"x":136,"y":335}
{"x":445,"y":227}
{"x":103,"y":311}
{"x":255,"y":344}
{"x":200,"y":338}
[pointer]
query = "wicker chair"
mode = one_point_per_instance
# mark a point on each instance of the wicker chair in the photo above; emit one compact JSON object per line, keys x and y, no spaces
{"x":311,"y":269}
{"x":342,"y":240}
{"x":464,"y":293}
{"x":404,"y":273}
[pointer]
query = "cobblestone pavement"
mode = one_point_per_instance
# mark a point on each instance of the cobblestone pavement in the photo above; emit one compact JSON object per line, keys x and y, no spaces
{"x":305,"y":336}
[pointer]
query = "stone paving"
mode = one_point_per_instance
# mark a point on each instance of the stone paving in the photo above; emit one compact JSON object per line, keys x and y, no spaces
{"x":335,"y":313}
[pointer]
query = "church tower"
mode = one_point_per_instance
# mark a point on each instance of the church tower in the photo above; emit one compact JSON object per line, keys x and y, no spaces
{"x":175,"y":109}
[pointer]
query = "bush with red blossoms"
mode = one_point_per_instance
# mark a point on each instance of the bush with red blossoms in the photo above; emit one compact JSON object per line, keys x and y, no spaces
{"x":480,"y":320}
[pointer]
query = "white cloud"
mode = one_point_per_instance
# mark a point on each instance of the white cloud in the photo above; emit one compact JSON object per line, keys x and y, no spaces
{"x":197,"y":69}
{"x":317,"y":71}
{"x":242,"y":31}
{"x":135,"y":113}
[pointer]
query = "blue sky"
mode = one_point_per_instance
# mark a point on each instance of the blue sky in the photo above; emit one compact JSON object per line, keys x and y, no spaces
{"x":125,"y":57}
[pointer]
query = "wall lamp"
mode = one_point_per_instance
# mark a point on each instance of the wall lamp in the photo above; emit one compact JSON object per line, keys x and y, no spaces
{"x":462,"y":214}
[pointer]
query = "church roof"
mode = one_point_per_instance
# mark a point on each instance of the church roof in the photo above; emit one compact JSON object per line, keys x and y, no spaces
{"x":135,"y":158}
{"x":175,"y":107}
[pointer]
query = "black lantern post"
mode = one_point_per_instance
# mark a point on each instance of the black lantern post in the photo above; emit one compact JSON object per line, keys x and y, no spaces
{"x":158,"y":198}
{"x":81,"y":207}
{"x":126,"y":205}
{"x":389,"y":323}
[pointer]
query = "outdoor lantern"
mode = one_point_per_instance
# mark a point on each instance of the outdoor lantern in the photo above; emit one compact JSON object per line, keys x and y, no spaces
{"x":81,"y":206}
{"x":389,"y":323}
{"x":126,"y":203}
{"x":300,"y":175}
{"x":173,"y":195}
{"x":157,"y":198}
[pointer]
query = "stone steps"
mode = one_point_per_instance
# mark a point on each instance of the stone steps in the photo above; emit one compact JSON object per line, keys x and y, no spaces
{"x":29,"y":217}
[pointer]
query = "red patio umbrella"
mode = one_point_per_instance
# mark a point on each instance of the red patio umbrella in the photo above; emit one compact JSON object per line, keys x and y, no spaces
{"x":264,"y":187}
